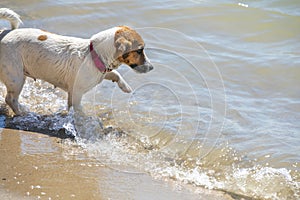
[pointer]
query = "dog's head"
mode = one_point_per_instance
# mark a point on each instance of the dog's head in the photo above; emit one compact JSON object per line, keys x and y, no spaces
{"x":130,"y":49}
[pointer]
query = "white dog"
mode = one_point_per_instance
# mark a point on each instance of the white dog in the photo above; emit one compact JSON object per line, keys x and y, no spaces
{"x":76,"y":65}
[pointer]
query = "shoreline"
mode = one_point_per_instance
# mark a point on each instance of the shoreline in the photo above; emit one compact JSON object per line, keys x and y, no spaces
{"x":39,"y":166}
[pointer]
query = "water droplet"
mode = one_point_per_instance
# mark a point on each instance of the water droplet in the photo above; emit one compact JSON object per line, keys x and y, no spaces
{"x":243,"y":5}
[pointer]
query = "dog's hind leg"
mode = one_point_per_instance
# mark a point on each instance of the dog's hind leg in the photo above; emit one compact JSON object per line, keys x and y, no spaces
{"x":14,"y":89}
{"x":12,"y":75}
{"x":116,"y":77}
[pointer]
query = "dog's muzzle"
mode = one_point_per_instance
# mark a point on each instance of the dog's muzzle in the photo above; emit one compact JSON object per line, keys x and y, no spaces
{"x":146,"y":67}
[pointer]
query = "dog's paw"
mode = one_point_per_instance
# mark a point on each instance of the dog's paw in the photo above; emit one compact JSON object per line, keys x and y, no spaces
{"x":22,"y":111}
{"x":124,"y":86}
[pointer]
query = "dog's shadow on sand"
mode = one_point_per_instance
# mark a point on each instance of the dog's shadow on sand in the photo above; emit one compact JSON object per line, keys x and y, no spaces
{"x":61,"y":125}
{"x":52,"y":125}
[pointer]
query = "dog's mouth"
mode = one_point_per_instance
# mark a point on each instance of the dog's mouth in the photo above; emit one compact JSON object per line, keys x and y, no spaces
{"x":108,"y":69}
{"x":133,"y":66}
{"x":146,"y":67}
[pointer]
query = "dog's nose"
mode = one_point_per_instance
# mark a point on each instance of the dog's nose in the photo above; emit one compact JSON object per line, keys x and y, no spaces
{"x":151,"y":67}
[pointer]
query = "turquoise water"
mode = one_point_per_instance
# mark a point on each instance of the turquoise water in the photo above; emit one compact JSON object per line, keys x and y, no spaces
{"x":221,"y":109}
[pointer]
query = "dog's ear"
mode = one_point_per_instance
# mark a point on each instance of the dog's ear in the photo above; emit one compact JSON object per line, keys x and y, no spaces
{"x":122,"y":45}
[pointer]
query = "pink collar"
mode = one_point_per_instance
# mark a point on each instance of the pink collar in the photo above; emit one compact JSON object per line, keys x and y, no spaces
{"x":97,"y":60}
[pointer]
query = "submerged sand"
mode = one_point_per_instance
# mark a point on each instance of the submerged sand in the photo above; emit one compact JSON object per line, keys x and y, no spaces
{"x":37,"y":166}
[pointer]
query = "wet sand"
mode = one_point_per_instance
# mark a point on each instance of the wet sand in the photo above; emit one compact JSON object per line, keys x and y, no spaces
{"x":37,"y":166}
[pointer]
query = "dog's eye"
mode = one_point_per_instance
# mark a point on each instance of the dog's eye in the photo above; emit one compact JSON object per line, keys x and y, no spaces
{"x":140,"y":51}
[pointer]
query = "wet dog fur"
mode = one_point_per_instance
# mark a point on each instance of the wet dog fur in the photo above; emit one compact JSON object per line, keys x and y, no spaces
{"x":65,"y":61}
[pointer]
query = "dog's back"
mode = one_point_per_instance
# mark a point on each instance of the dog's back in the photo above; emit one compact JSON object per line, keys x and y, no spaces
{"x":38,"y":54}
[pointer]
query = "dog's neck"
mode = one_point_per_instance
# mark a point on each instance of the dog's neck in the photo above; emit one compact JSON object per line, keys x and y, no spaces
{"x":97,"y":60}
{"x":104,"y":45}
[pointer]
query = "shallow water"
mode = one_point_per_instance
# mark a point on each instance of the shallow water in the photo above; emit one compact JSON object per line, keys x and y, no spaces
{"x":221,"y":109}
{"x":63,"y":170}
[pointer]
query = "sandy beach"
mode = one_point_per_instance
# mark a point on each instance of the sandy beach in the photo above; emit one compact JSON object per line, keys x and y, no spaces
{"x":37,"y":166}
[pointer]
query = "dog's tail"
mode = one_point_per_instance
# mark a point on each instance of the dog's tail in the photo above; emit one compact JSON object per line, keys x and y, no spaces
{"x":11,"y":16}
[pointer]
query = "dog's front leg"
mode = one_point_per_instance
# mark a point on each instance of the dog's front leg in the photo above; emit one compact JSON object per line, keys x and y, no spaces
{"x":116,"y":77}
{"x":74,"y":100}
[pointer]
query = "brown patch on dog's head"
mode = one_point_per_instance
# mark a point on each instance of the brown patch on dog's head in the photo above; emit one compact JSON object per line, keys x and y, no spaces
{"x":130,"y":49}
{"x":42,"y":37}
{"x":133,"y":40}
{"x":133,"y":58}
{"x":127,"y":40}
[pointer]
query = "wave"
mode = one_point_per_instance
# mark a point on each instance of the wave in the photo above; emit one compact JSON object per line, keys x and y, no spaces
{"x":222,"y":168}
